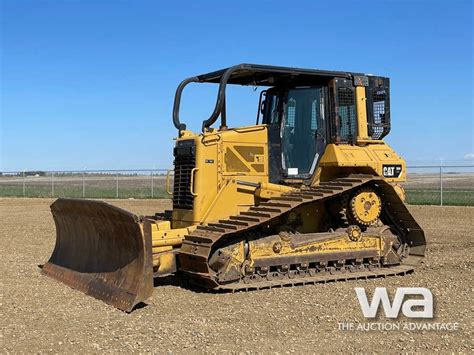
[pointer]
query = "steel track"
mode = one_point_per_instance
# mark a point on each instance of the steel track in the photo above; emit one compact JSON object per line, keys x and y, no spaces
{"x":199,"y":245}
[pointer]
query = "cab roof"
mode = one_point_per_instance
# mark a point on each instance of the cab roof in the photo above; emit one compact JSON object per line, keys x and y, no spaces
{"x":268,"y":75}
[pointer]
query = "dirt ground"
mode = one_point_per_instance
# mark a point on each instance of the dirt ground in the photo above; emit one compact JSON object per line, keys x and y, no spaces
{"x":39,"y":314}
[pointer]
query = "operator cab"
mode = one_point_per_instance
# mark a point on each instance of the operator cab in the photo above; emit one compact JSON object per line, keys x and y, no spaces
{"x":296,"y":120}
{"x":304,"y":110}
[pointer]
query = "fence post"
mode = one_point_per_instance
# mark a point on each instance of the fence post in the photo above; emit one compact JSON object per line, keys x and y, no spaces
{"x":116,"y":185}
{"x":23,"y":183}
{"x":441,"y":185}
{"x":83,"y":186}
{"x":151,"y":174}
{"x":52,"y":184}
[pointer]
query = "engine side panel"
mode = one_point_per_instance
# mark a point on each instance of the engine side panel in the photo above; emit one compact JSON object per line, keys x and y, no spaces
{"x":222,"y":159}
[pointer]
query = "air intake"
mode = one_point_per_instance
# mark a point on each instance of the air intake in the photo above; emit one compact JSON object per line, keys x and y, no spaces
{"x":184,"y":162}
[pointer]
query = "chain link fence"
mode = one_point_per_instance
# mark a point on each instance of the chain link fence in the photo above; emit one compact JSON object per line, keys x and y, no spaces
{"x":86,"y":184}
{"x":451,"y":185}
{"x":427,"y":185}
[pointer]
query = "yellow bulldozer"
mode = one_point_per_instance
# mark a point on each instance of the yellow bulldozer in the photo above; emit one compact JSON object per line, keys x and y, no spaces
{"x":309,"y":193}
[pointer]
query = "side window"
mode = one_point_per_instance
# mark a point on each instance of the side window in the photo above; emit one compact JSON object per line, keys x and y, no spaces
{"x":314,"y":115}
{"x":271,"y":113}
{"x":378,"y":107}
{"x":343,"y":112}
{"x":379,"y":114}
{"x":274,"y":109}
{"x":290,"y":122}
{"x":347,"y":115}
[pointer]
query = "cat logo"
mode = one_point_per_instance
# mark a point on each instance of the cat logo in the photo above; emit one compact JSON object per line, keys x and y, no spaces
{"x":392,"y":171}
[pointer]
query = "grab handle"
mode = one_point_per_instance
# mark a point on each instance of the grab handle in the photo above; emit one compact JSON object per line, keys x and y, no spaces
{"x":191,"y":188}
{"x":168,"y":190}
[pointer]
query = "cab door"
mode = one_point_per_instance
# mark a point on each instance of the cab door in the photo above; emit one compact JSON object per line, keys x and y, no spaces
{"x":303,"y":131}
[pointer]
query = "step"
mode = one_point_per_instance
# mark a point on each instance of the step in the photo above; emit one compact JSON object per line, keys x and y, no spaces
{"x":236,"y":223}
{"x":244,"y":218}
{"x":223,"y":225}
{"x":265,"y":209}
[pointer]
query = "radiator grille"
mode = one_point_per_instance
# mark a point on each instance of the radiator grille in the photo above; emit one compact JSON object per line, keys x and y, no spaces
{"x":184,"y":162}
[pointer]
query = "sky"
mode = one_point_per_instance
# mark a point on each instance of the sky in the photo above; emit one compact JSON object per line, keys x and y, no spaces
{"x":90,"y":84}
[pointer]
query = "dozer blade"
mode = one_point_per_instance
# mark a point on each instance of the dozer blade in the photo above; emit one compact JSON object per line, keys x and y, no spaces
{"x":101,"y":250}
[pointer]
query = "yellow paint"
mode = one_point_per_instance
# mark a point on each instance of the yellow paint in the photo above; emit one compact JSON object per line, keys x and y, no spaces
{"x":361,"y":107}
{"x":400,"y":191}
{"x":164,"y":264}
{"x":241,"y":154}
{"x":230,"y":200}
{"x":165,"y":242}
{"x":265,"y":248}
{"x":366,"y":207}
{"x":225,"y":157}
{"x":269,"y":190}
{"x":367,"y":159}
{"x":163,"y":235}
{"x":222,"y":158}
{"x":168,"y":184}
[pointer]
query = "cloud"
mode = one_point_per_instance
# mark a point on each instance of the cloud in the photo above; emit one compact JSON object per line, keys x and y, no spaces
{"x":469,"y":156}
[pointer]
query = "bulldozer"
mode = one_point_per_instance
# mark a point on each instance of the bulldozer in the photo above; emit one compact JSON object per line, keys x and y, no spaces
{"x":309,"y":192}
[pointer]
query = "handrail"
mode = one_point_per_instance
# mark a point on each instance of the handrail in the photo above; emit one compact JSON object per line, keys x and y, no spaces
{"x":218,"y":108}
{"x":220,"y":98}
{"x":168,"y":190}
{"x":177,"y":101}
{"x":191,"y":187}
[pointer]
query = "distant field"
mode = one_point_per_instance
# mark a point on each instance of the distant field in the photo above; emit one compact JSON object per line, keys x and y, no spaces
{"x":424,"y":189}
{"x":421,"y":189}
{"x":93,"y":186}
{"x":432,"y":197}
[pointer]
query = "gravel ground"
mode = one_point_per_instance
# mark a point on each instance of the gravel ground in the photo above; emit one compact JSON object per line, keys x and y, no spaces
{"x":41,"y":315}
